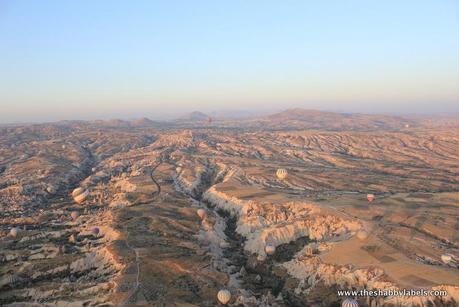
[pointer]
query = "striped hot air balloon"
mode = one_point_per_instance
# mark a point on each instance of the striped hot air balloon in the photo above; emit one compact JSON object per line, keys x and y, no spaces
{"x":349,"y":302}
{"x":224,"y":296}
{"x":281,"y":173}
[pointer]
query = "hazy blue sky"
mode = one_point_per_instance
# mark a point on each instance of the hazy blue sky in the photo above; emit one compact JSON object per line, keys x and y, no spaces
{"x":104,"y":59}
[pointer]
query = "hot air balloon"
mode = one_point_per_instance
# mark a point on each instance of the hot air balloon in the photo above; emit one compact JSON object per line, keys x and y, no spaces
{"x":14,"y":232}
{"x":74,"y":215}
{"x":446,"y":258}
{"x":64,"y":146}
{"x":209,"y":119}
{"x":93,"y":169}
{"x":270,"y":249}
{"x":370,"y":197}
{"x":349,"y":302}
{"x":79,"y":195}
{"x":281,"y":173}
{"x":201,"y":213}
{"x":50,"y":189}
{"x":362,"y":235}
{"x":95,"y":231}
{"x":224,"y":296}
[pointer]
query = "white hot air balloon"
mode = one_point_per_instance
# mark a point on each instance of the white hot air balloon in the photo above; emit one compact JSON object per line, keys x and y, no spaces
{"x":362,"y":235}
{"x":270,"y":249}
{"x":281,"y":173}
{"x":79,"y":195}
{"x":14,"y":232}
{"x":349,"y":302}
{"x":446,"y":258}
{"x":201,"y":213}
{"x":224,"y":296}
{"x":50,"y":189}
{"x":370,"y":197}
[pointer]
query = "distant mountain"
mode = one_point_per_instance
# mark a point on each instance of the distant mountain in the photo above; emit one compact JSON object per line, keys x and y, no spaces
{"x":195,"y":116}
{"x":313,"y":119}
{"x":142,"y":122}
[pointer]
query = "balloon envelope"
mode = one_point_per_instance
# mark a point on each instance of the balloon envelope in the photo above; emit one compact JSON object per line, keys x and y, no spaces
{"x":201,"y":213}
{"x":446,"y":258}
{"x":77,"y":191}
{"x":14,"y":232}
{"x":51,"y":190}
{"x":362,"y":234}
{"x":79,"y":198}
{"x":270,"y":249}
{"x":95,"y":231}
{"x":224,"y":296}
{"x":281,"y":173}
{"x":370,"y":197}
{"x":349,"y":302}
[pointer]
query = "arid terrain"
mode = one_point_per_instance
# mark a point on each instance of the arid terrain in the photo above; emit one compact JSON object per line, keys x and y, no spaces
{"x":138,"y":240}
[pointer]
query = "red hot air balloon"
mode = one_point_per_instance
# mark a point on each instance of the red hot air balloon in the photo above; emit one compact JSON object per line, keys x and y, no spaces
{"x":370,"y":197}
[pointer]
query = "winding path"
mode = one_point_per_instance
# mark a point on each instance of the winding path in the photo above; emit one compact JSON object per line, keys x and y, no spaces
{"x":131,"y":299}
